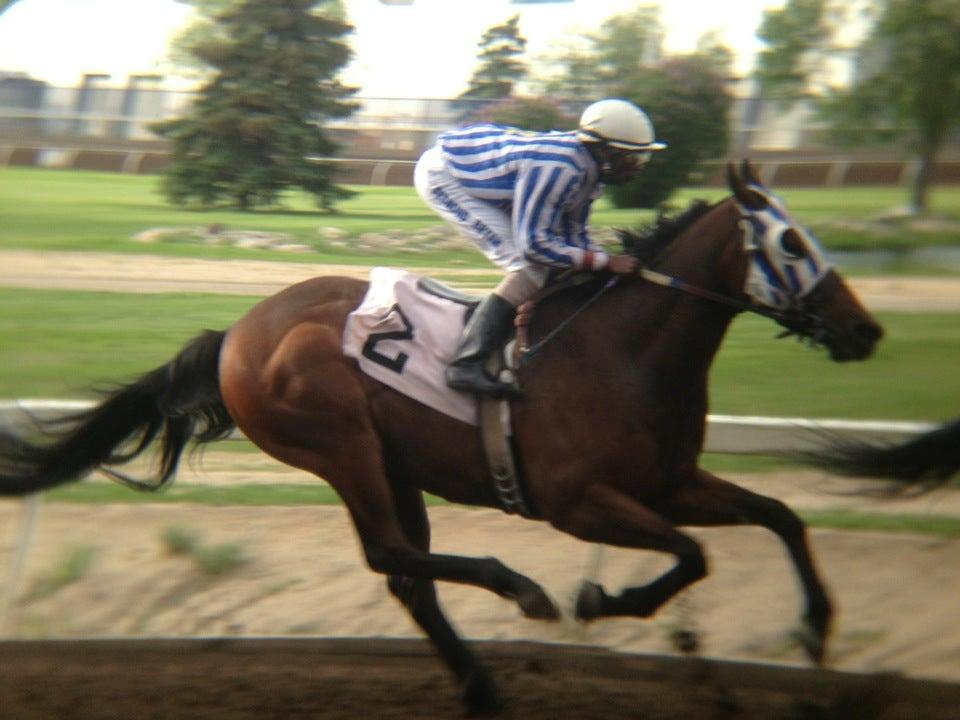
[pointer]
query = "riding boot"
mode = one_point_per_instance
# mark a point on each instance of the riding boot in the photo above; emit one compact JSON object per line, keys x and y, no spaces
{"x":489,"y":326}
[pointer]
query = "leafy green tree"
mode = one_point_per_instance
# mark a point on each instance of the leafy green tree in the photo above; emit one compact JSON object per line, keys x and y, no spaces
{"x":688,"y":102}
{"x":623,"y":48}
{"x":908,"y":84}
{"x":500,"y":69}
{"x":685,"y":96}
{"x":797,"y":37}
{"x":254,"y":129}
{"x":627,"y":44}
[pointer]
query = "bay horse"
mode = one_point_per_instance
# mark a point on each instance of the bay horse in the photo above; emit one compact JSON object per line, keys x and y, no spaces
{"x":608,"y":432}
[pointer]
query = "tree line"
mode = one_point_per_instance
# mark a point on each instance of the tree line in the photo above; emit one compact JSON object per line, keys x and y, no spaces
{"x":270,"y":82}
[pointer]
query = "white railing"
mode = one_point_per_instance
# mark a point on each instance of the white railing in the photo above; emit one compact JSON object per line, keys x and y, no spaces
{"x":725,"y":434}
{"x":734,"y":434}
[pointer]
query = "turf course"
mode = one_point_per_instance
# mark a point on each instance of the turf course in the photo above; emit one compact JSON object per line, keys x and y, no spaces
{"x":73,"y":210}
{"x":58,"y":343}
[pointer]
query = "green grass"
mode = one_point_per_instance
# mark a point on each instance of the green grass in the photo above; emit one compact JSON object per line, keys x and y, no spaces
{"x":938,"y":525}
{"x":71,"y":567}
{"x":74,"y":210}
{"x":255,"y":495}
{"x":912,"y":376}
{"x":55,"y":344}
{"x":181,"y":541}
{"x":58,"y":343}
{"x":209,"y":560}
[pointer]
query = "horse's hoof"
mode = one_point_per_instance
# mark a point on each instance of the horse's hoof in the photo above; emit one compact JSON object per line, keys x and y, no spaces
{"x":685,"y":641}
{"x":537,"y":606}
{"x":813,"y":643}
{"x":481,"y":695}
{"x":589,"y":601}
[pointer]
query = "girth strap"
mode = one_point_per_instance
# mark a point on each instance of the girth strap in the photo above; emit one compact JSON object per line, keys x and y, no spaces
{"x":495,"y":435}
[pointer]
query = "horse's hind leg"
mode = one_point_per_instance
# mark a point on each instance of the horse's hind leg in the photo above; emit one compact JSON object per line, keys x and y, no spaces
{"x":710,"y":501}
{"x":419,"y":597}
{"x":394,"y":536}
{"x":606,"y":515}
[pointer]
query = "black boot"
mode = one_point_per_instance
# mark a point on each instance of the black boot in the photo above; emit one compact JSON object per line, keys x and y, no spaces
{"x":489,"y":326}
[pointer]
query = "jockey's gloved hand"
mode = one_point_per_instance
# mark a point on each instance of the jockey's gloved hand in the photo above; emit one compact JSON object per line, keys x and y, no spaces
{"x":623,"y":265}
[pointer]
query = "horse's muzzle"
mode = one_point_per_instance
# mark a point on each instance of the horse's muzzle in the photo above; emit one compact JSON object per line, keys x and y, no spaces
{"x":854,"y":343}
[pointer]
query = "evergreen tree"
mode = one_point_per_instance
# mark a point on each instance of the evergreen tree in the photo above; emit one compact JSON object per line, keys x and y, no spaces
{"x":254,"y":129}
{"x":500,"y":68}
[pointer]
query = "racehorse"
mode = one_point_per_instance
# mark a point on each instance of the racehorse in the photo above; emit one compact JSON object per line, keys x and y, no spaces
{"x":608,"y":432}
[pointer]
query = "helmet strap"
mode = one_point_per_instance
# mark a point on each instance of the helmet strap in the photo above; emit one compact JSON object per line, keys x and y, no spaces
{"x":600,"y":151}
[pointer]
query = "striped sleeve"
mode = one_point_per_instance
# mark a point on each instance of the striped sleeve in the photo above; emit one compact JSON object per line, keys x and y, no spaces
{"x":540,"y":224}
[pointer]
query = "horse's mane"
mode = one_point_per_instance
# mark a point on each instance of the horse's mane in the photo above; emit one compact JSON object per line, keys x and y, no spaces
{"x":648,"y":241}
{"x":645,"y":243}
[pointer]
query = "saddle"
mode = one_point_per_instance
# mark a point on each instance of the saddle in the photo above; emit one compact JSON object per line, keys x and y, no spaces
{"x":405,"y":333}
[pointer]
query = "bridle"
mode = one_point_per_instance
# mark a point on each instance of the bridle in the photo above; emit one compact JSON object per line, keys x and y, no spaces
{"x":797,"y":318}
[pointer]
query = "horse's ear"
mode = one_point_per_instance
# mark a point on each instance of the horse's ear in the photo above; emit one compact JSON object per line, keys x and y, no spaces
{"x":744,"y":195}
{"x":749,"y":173}
{"x":738,"y":187}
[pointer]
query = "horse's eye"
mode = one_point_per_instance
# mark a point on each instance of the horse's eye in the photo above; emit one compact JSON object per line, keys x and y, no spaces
{"x":792,"y":243}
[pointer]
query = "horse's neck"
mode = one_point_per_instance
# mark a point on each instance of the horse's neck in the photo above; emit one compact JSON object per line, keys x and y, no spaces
{"x":671,"y":335}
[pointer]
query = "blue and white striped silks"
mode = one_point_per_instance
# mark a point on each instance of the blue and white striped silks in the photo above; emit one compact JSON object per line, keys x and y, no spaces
{"x":530,"y":192}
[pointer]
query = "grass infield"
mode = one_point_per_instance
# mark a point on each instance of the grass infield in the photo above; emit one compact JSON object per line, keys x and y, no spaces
{"x":60,"y":343}
{"x":76,"y":210}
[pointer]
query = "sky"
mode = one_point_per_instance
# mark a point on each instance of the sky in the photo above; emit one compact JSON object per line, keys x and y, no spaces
{"x":427,"y":49}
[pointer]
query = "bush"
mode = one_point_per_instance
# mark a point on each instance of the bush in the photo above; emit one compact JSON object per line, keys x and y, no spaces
{"x":688,"y":103}
{"x":527,"y":113}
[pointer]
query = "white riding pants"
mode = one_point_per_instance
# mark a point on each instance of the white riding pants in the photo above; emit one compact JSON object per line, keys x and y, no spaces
{"x":488,"y":227}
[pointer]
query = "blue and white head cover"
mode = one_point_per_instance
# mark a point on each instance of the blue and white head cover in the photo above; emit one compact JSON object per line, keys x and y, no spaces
{"x":786,"y":261}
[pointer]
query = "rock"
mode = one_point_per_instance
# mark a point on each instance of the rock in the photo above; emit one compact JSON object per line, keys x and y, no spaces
{"x":153,"y":235}
{"x":332,"y":233}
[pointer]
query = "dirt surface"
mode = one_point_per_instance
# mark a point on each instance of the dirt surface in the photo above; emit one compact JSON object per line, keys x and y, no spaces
{"x":350,"y":679}
{"x":303,"y":576}
{"x":896,"y":597}
{"x":148,"y":273}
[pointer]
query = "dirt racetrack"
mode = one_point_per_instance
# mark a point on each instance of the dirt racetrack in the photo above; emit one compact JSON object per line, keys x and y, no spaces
{"x":302,"y":577}
{"x":386,"y":679}
{"x":149,"y":273}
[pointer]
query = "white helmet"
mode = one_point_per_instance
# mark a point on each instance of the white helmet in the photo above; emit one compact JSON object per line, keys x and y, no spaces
{"x":620,"y":124}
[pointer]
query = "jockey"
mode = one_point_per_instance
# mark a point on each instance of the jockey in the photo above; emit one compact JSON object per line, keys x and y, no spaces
{"x":524,"y":199}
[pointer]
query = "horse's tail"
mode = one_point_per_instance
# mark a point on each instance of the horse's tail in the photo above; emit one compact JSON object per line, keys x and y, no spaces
{"x":920,"y":464}
{"x":178,"y":401}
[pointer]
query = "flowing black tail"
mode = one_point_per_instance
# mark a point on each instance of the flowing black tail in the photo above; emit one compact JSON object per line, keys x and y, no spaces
{"x":178,"y":401}
{"x":917,"y":465}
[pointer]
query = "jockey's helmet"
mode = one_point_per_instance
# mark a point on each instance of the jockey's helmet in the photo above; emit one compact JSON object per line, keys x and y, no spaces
{"x":618,"y":124}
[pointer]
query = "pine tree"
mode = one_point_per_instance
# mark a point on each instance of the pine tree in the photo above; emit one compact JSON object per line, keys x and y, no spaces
{"x":500,"y":69}
{"x":255,"y":128}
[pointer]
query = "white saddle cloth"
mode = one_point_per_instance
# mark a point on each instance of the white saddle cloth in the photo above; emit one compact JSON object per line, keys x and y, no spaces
{"x":405,"y":337}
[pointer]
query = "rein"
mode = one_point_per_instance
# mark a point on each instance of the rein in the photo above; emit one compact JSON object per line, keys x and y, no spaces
{"x":797,"y":320}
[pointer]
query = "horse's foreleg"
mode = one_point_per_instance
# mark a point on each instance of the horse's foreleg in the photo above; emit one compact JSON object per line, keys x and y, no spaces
{"x":360,"y":481}
{"x":710,"y":501}
{"x":606,"y":515}
{"x":419,"y":597}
